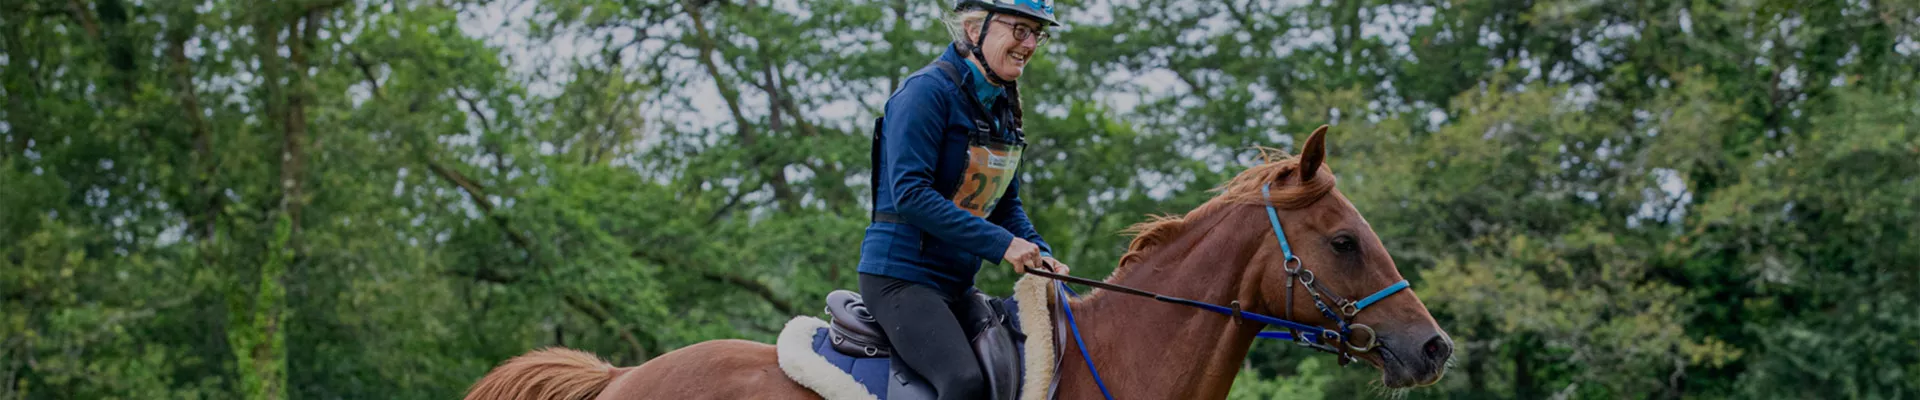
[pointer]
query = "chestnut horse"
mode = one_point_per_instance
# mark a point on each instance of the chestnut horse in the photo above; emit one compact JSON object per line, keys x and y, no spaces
{"x":1223,"y":252}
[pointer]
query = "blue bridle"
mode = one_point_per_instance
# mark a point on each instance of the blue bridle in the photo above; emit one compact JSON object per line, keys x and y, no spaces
{"x":1338,"y":341}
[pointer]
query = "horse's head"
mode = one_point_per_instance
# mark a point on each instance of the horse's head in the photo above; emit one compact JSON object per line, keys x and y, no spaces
{"x":1344,"y":260}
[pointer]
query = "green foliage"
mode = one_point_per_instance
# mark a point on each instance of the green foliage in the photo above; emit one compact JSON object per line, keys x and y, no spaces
{"x":256,"y":334}
{"x":1311,"y":384}
{"x":349,"y":199}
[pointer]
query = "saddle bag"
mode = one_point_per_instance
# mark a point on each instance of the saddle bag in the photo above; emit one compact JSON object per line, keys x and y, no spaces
{"x":853,"y":331}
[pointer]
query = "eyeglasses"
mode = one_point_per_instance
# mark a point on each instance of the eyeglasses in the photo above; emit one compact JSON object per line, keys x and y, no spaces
{"x":1022,"y":32}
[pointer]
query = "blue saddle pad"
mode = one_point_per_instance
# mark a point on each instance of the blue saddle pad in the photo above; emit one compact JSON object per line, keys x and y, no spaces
{"x":875,"y":373}
{"x":871,"y":372}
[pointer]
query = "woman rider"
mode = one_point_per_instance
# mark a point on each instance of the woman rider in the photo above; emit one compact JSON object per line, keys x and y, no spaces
{"x":945,"y":194}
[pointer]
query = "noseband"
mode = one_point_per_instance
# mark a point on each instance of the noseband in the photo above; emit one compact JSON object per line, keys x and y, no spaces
{"x":1337,"y":340}
{"x":1350,"y":309}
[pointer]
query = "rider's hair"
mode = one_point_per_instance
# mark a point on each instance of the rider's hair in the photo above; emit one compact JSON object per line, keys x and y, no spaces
{"x":958,"y":24}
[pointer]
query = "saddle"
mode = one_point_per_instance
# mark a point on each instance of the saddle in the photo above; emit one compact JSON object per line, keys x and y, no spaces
{"x":994,"y":335}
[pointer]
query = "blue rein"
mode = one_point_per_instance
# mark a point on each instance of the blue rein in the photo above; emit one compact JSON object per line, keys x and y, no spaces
{"x":1314,"y":336}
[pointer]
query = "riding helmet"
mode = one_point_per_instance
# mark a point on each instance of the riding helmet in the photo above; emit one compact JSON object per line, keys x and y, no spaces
{"x":1037,"y":9}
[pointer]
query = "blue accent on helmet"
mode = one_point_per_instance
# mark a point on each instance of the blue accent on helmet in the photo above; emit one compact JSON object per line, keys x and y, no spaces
{"x":1037,"y":9}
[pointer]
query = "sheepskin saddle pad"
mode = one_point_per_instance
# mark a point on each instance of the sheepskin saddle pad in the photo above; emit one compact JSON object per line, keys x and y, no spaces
{"x":849,"y":358}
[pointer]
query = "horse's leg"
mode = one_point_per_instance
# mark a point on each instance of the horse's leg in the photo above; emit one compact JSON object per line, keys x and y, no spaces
{"x":718,"y":369}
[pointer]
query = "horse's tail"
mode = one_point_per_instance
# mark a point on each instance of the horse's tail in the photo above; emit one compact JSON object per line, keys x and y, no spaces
{"x":546,"y":374}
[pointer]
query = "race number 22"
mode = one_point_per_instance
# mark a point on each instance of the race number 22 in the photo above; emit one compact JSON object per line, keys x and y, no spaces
{"x":989,"y":172}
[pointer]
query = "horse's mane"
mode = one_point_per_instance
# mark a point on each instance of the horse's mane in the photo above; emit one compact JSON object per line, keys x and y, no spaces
{"x":1243,"y":189}
{"x":550,"y":373}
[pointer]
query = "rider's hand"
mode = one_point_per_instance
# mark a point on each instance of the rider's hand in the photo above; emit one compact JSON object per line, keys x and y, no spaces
{"x":1058,"y":267}
{"x":1022,"y":254}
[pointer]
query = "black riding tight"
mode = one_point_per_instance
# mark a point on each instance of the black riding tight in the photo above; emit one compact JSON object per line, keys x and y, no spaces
{"x":923,"y":325}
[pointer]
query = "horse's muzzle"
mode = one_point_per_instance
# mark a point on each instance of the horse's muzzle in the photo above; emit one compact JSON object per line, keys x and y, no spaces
{"x":1416,"y":362}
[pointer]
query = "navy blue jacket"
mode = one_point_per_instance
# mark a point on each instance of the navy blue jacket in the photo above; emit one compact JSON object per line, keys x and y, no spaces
{"x":920,"y":156}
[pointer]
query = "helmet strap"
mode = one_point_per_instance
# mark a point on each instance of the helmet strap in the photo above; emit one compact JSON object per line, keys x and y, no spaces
{"x":981,"y":57}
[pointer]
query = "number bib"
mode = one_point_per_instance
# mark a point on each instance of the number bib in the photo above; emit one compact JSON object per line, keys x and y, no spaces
{"x":989,"y":171}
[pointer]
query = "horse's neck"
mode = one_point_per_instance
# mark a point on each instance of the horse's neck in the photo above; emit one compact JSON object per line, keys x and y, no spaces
{"x":1149,"y":350}
{"x":1146,"y":349}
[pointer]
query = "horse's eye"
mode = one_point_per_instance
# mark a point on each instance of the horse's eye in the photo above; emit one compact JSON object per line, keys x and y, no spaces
{"x":1345,"y":244}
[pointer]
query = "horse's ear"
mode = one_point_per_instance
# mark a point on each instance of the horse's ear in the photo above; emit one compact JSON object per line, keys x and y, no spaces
{"x":1313,"y":154}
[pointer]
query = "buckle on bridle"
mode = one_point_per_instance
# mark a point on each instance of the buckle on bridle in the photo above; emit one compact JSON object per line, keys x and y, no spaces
{"x":1235,"y":305}
{"x":1350,"y":309}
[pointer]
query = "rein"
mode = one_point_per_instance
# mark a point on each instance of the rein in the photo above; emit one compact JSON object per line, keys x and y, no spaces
{"x":1315,"y":337}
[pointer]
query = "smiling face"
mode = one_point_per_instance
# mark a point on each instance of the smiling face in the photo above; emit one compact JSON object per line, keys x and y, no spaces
{"x":1006,"y":54}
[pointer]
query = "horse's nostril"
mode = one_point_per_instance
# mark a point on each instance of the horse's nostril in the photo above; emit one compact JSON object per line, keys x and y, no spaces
{"x":1438,"y":348}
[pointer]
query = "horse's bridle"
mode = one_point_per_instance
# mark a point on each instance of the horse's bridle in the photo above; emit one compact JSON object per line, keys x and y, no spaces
{"x":1339,"y":342}
{"x":1297,"y":272}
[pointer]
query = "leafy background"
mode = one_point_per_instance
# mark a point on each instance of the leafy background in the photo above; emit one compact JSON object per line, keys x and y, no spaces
{"x":327,"y":199}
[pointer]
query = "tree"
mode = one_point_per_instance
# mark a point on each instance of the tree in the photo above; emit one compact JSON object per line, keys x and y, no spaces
{"x":349,"y":199}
